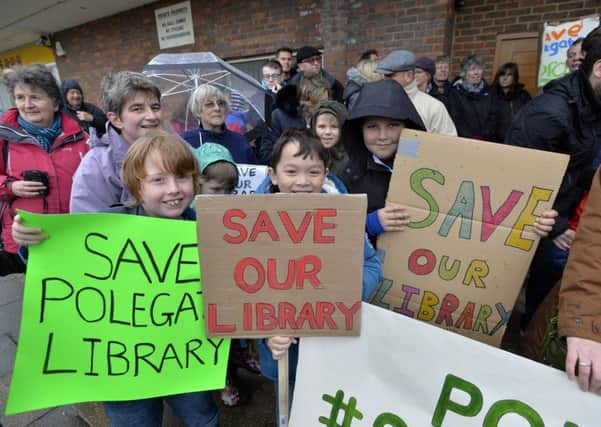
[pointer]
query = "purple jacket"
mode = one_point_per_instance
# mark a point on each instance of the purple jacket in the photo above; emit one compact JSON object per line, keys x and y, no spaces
{"x":96,"y":183}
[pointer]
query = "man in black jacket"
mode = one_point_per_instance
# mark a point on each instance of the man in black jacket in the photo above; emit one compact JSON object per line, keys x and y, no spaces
{"x":565,"y":118}
{"x":308,"y":60}
{"x":87,"y":115}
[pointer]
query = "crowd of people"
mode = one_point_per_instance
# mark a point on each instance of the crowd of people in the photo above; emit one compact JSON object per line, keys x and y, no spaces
{"x":60,"y":154}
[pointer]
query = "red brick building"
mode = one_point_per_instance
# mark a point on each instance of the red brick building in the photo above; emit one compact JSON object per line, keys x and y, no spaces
{"x":499,"y":30}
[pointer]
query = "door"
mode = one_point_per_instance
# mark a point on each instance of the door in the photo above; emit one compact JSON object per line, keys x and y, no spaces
{"x":523,"y":49}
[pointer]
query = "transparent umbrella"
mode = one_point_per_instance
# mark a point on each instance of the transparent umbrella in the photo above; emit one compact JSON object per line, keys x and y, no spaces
{"x":179,"y":74}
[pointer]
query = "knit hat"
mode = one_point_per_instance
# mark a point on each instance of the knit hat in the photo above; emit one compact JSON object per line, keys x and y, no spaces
{"x":332,"y":107}
{"x":395,"y":61}
{"x":209,"y":153}
{"x":426,"y":64}
{"x":306,"y":52}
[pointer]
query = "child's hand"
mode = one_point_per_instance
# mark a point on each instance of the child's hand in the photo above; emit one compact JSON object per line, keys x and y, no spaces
{"x":26,"y":236}
{"x":393,"y":217}
{"x":279,"y":346}
{"x":565,"y":239}
{"x":545,"y":222}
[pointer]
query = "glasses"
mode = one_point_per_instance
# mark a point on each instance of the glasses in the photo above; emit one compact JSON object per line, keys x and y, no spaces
{"x":211,"y":104}
{"x":271,"y":76}
{"x":312,"y":60}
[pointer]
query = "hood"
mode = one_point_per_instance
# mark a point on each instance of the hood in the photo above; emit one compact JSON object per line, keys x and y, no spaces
{"x":287,"y":100}
{"x":384,"y":98}
{"x":66,"y":86}
{"x":209,"y":153}
{"x":111,"y":137}
{"x":332,"y":107}
{"x":355,"y":75}
{"x":12,"y":131}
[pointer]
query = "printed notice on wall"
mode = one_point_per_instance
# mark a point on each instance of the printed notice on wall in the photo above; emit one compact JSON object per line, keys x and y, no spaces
{"x":174,"y":25}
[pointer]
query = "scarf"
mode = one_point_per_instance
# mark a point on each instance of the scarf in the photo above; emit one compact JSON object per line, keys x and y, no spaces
{"x":471,"y":88}
{"x":43,"y":136}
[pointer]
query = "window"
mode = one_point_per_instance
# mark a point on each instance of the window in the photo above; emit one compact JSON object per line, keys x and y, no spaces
{"x":251,"y":66}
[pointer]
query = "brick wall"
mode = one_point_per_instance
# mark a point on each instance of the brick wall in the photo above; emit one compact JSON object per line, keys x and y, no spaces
{"x":234,"y":29}
{"x":478,"y":23}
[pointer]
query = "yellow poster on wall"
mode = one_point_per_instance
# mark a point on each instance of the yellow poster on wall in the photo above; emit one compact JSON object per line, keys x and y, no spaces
{"x":26,"y":55}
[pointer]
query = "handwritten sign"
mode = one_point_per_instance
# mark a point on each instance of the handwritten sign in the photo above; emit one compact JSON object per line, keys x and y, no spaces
{"x":556,"y":41}
{"x":422,"y":376}
{"x":250,"y":178}
{"x":112,"y":310}
{"x":174,"y":25}
{"x":472,"y":203}
{"x":281,"y":264}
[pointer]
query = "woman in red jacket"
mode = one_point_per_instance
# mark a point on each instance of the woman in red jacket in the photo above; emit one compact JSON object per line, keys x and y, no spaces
{"x":40,"y":149}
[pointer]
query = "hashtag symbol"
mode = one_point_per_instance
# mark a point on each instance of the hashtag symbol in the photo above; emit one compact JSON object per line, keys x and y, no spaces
{"x":349,"y":410}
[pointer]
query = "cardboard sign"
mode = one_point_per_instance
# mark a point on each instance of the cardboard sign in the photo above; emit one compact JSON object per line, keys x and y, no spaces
{"x":403,"y":373}
{"x":556,"y":41}
{"x":282,"y":264}
{"x":249,"y":178}
{"x":461,"y":263}
{"x":112,"y":310}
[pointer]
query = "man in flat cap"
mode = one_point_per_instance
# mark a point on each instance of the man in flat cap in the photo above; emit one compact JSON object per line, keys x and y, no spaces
{"x":308,"y":60}
{"x":399,"y":65}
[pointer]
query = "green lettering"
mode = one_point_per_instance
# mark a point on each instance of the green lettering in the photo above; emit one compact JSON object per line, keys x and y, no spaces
{"x":416,"y":185}
{"x":445,"y":403}
{"x":504,"y":407}
{"x":388,"y":419}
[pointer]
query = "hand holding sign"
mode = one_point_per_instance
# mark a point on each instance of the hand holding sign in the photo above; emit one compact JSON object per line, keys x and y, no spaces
{"x":394,"y":217}
{"x":24,"y":235}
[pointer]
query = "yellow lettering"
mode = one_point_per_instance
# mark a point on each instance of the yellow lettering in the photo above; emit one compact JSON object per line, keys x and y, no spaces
{"x":527,"y":217}
{"x":426,"y":311}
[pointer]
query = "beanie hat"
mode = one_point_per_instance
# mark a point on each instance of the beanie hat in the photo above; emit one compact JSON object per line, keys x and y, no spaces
{"x":426,"y":64}
{"x":332,"y":107}
{"x":209,"y":153}
{"x":306,"y":52}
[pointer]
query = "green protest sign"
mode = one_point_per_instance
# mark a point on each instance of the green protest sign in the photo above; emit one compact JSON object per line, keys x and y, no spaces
{"x":112,"y":310}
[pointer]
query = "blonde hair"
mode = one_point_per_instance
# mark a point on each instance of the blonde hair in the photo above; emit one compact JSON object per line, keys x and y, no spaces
{"x":176,"y":156}
{"x":367,"y":68}
{"x":311,"y":91}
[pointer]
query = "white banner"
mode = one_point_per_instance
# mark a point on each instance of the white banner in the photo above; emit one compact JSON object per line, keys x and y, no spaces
{"x":404,"y":373}
{"x":555,"y":44}
{"x":249,"y":178}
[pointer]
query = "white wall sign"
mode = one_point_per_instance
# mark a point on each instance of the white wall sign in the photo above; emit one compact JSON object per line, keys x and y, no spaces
{"x":174,"y":25}
{"x":404,"y":373}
